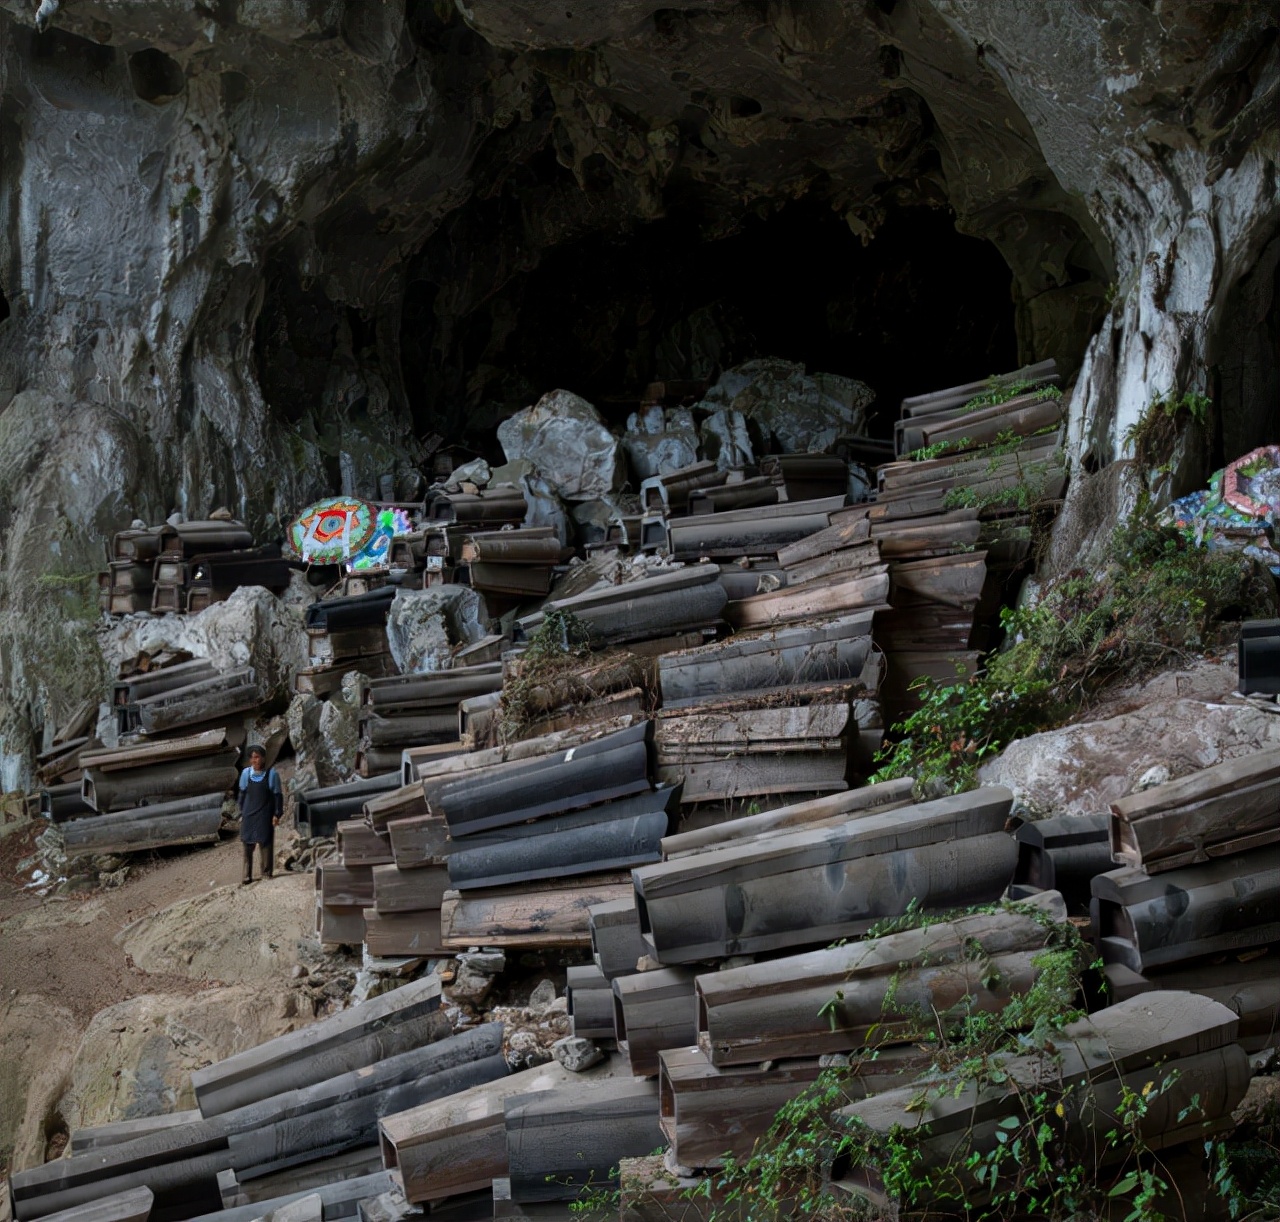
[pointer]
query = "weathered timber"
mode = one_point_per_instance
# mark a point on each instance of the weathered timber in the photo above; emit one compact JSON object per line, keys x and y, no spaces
{"x":99,"y":1136}
{"x":517,"y":581}
{"x":590,"y":1002}
{"x":956,"y":396}
{"x":339,"y":924}
{"x":748,"y":532}
{"x":395,"y":805}
{"x":145,"y":754}
{"x":457,"y":1145}
{"x":132,"y":1205}
{"x":503,"y":503}
{"x":869,"y":993}
{"x":652,"y":1011}
{"x":1023,"y":415}
{"x":122,"y":790}
{"x":823,"y":597}
{"x":532,"y":545}
{"x":1099,"y":1058}
{"x":1249,"y":989}
{"x":744,"y":494}
{"x":422,"y":840}
{"x":616,"y":942}
{"x":60,"y":803}
{"x":778,"y":657}
{"x":884,"y":796}
{"x":1062,"y":853}
{"x":611,"y":767}
{"x":390,"y":934}
{"x":309,"y":1178}
{"x":843,"y":533}
{"x":953,"y":581}
{"x":672,"y":490}
{"x":614,"y":836}
{"x":808,"y":475}
{"x":559,"y":1141}
{"x":359,"y":845}
{"x":133,"y":831}
{"x":850,"y":561}
{"x":800,"y":887}
{"x":174,"y":714}
{"x":410,"y":731}
{"x":323,"y":809}
{"x":442,"y":689}
{"x":553,"y":914}
{"x":185,"y":540}
{"x":633,"y":702}
{"x":338,"y":1199}
{"x":1225,"y":905}
{"x":344,"y":1041}
{"x":396,"y":890}
{"x":759,"y":775}
{"x":743,"y":726}
{"x":343,"y":1113}
{"x":356,"y":611}
{"x":1232,"y":807}
{"x":344,"y":886}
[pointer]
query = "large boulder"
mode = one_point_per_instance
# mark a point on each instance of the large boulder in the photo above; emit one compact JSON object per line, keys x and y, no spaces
{"x":568,"y":442}
{"x":137,"y":1056}
{"x":660,"y":440}
{"x":235,"y":935}
{"x":796,"y":412}
{"x":1082,"y":768}
{"x":423,"y":626}
{"x":325,"y":735}
{"x":251,"y":628}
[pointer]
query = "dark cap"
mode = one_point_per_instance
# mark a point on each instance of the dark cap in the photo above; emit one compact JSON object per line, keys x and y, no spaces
{"x":254,"y":749}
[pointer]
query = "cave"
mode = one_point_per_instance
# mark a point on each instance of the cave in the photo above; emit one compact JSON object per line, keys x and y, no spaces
{"x":917,"y":305}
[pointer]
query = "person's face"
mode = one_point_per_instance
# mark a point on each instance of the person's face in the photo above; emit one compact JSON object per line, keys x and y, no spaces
{"x":256,"y":761}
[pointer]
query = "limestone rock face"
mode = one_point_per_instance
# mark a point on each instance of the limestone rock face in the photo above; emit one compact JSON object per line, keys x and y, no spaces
{"x":326,"y":221}
{"x":136,"y":1057}
{"x":38,"y":1041}
{"x":568,"y":443}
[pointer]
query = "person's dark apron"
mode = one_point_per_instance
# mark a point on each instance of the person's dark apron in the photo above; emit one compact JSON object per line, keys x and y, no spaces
{"x":259,"y":809}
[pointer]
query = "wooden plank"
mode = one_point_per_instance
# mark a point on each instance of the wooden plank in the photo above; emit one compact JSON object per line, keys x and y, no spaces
{"x":561,"y":1141}
{"x":555,"y":914}
{"x":822,"y":597}
{"x":422,"y":840}
{"x":128,"y":833}
{"x":359,"y":845}
{"x":748,"y":776}
{"x":396,"y":890}
{"x":344,"y":886}
{"x":393,"y":934}
{"x":590,"y":1002}
{"x":1062,"y":853}
{"x":1222,"y":906}
{"x":112,"y":759}
{"x":339,"y":925}
{"x":96,"y":1137}
{"x":458,"y":1145}
{"x":615,"y":836}
{"x":850,"y":560}
{"x":652,"y":1011}
{"x":870,"y":993}
{"x":843,"y":533}
{"x":340,"y":1042}
{"x":795,"y":888}
{"x":616,"y":943}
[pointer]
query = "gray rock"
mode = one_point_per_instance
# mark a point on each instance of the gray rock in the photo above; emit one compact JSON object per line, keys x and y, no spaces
{"x":576,"y":1053}
{"x":545,"y":508}
{"x":543,"y":995}
{"x":726,"y":440}
{"x":423,"y":626}
{"x":569,"y":444}
{"x":471,"y":985}
{"x":796,"y":411}
{"x":486,"y":962}
{"x":660,"y":440}
{"x":477,"y":472}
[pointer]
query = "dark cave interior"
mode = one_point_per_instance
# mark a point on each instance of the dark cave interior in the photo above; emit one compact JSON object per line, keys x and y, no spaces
{"x":918,"y":306}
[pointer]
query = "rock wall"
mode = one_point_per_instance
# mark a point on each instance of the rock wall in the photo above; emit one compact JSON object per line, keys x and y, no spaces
{"x":257,"y":251}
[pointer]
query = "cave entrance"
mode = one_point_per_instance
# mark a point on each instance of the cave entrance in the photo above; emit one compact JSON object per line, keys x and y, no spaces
{"x":917,"y":307}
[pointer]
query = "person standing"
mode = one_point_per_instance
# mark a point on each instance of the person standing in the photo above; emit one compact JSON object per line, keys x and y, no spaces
{"x":261,"y":804}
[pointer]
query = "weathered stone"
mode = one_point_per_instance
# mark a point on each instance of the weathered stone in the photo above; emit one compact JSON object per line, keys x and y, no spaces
{"x":325,"y":737}
{"x":544,"y":993}
{"x":471,"y":985}
{"x":423,"y":626}
{"x":576,"y":1053}
{"x":567,"y":441}
{"x":239,"y":935}
{"x":477,"y":472}
{"x":37,"y":1043}
{"x":136,"y":1057}
{"x":660,"y":440}
{"x":726,"y":441}
{"x":1082,"y":768}
{"x":544,"y":507}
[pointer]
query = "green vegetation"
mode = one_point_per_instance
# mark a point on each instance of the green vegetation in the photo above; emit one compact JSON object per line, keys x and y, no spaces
{"x":1003,"y":392}
{"x":1156,"y":433}
{"x":1159,"y":600}
{"x":559,"y":645}
{"x":57,"y":638}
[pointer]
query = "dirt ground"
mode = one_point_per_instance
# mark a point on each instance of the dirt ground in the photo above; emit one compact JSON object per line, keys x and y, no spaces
{"x":65,"y":948}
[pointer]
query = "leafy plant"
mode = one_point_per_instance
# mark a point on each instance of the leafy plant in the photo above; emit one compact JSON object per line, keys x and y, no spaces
{"x":561,"y":642}
{"x":1002,"y":392}
{"x":1153,"y":437}
{"x":1159,"y":599}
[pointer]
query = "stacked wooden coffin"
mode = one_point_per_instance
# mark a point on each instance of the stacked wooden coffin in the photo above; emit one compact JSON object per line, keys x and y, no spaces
{"x":1196,"y":903}
{"x":346,"y":634}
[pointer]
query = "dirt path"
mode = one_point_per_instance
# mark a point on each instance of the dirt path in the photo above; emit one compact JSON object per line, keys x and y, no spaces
{"x":65,"y":949}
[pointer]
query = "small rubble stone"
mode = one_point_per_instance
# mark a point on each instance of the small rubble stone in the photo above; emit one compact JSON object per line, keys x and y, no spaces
{"x":833,"y":1060}
{"x":1157,"y":774}
{"x":470,"y":984}
{"x":487,"y":962}
{"x":647,"y":963}
{"x":298,"y":971}
{"x":543,"y":995}
{"x":576,"y":1053}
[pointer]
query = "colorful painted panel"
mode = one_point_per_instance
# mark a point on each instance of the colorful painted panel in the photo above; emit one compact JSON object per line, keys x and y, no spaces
{"x":333,"y":530}
{"x":375,"y":554}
